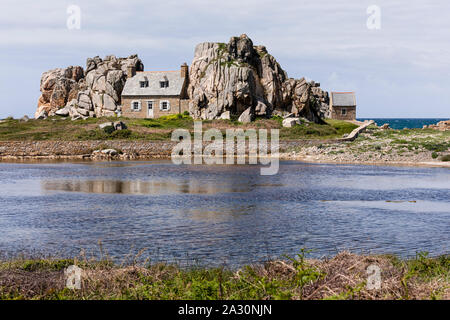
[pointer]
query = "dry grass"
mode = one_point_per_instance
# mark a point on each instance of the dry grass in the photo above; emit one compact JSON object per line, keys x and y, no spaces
{"x":341,"y":277}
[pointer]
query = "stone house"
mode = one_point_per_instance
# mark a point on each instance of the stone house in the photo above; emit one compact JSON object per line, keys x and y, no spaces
{"x":152,"y":94}
{"x":343,"y":105}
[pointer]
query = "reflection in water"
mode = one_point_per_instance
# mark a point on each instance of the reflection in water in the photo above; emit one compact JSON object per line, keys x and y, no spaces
{"x":212,"y":213}
{"x":143,"y":187}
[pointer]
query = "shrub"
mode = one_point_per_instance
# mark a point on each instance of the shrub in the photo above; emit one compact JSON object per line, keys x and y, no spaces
{"x":445,"y":158}
{"x":109,"y":129}
{"x":434,"y":155}
{"x":438,"y":147}
{"x":92,"y":135}
{"x":121,"y":134}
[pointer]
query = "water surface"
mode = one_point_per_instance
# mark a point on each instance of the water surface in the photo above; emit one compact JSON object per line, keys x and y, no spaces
{"x":401,"y":123}
{"x":222,"y":214}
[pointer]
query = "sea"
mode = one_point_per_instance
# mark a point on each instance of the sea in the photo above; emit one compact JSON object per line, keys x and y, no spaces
{"x":401,"y":123}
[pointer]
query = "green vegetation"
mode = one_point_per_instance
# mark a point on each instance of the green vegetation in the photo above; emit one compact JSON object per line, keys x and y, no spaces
{"x":56,"y":128}
{"x":166,"y":122}
{"x":262,"y":54}
{"x":331,"y":130}
{"x":229,"y":63}
{"x":341,"y":277}
{"x":404,"y":141}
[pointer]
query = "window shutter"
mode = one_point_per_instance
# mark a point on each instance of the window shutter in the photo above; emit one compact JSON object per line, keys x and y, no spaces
{"x":168,"y":106}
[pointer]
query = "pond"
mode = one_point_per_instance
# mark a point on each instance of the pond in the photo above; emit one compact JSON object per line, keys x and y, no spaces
{"x":222,"y":214}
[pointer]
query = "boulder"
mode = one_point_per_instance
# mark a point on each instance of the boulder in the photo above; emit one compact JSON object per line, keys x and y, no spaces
{"x":24,"y":118}
{"x":225,"y":115}
{"x":385,"y":126}
{"x":119,"y":125}
{"x":64,"y":112}
{"x":106,"y":124}
{"x":290,"y":122}
{"x":110,"y":152}
{"x":42,"y":115}
{"x":246,"y":116}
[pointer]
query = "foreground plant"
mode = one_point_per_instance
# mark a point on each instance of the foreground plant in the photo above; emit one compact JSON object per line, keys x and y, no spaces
{"x":341,"y":277}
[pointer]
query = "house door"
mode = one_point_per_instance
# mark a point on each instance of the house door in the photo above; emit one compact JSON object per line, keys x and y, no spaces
{"x":150,"y":109}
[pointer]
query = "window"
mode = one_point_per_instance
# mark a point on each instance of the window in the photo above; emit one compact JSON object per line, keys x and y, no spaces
{"x":164,"y":84}
{"x":144,"y":84}
{"x":343,"y":111}
{"x":135,"y":106}
{"x":164,"y":106}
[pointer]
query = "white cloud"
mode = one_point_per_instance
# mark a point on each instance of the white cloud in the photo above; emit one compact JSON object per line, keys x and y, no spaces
{"x":309,"y":38}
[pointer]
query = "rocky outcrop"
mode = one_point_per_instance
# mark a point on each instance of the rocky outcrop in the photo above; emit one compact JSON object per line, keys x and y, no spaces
{"x":80,"y":93}
{"x":441,"y":126}
{"x":237,"y":76}
{"x":226,"y":81}
{"x":58,"y":86}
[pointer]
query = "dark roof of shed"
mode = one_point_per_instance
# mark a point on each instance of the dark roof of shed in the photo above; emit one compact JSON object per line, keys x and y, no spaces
{"x":343,"y":99}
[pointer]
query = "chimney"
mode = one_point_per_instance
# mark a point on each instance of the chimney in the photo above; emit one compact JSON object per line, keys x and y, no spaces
{"x":184,"y":70}
{"x":131,"y":71}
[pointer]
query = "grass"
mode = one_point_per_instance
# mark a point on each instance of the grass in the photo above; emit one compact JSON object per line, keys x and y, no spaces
{"x":331,"y":130}
{"x":408,"y":140}
{"x":56,"y":128}
{"x":341,"y":277}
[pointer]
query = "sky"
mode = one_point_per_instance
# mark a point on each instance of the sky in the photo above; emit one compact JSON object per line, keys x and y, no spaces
{"x":400,"y":69}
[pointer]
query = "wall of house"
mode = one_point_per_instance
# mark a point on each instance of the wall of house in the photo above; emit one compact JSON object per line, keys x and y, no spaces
{"x":336,"y":113}
{"x":177,"y":105}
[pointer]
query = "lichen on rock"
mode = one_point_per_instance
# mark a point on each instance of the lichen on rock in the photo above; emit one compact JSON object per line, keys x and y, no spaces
{"x":236,"y":76}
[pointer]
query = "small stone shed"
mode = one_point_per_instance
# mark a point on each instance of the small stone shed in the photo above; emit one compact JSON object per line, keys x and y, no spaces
{"x":343,"y":105}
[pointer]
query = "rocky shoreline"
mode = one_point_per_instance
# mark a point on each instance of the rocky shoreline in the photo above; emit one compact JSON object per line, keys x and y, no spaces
{"x":313,"y":151}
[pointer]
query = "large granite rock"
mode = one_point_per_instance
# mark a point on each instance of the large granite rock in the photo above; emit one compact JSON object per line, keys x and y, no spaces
{"x":225,"y":80}
{"x":94,"y":92}
{"x":58,"y":86}
{"x":237,"y":76}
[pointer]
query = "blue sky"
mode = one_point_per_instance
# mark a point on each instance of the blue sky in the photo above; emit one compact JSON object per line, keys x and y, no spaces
{"x":400,"y":70}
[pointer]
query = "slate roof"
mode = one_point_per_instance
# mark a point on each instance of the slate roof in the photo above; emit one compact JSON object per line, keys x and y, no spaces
{"x":133,"y":88}
{"x":343,"y":99}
